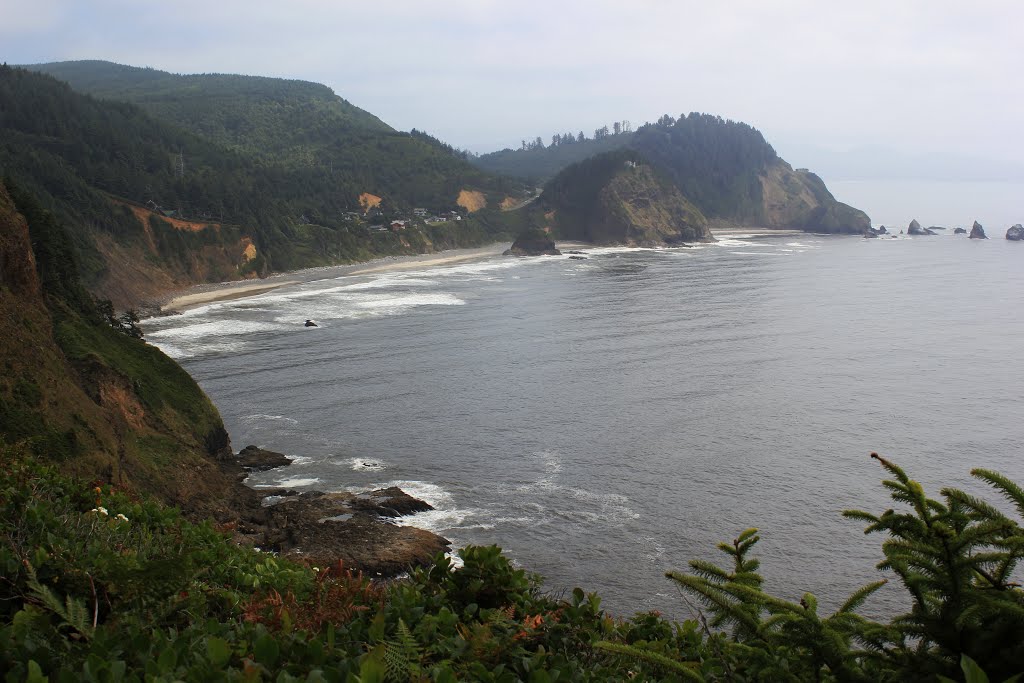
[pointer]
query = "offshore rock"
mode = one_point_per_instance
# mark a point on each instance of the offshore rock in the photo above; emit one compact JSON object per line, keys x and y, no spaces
{"x":255,"y":459}
{"x":1015,"y":233}
{"x":960,"y":231}
{"x":915,"y":229}
{"x":323,"y":528}
{"x":390,"y":502}
{"x":533,"y":242}
{"x":977,"y":232}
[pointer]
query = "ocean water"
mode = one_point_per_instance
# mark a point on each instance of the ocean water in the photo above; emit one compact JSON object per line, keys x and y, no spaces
{"x":608,"y":419}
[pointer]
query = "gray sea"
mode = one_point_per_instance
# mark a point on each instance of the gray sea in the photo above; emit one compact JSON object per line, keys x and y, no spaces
{"x":608,"y":419}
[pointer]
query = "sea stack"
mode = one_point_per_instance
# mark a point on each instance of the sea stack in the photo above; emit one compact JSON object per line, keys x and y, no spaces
{"x":915,"y":229}
{"x":977,"y":232}
{"x":533,"y":242}
{"x":1015,"y":233}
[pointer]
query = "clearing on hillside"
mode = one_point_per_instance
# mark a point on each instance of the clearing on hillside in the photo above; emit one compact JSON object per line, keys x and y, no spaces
{"x":368,"y":201}
{"x":471,"y":200}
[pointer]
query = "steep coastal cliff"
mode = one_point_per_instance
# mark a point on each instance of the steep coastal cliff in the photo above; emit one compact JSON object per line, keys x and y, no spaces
{"x":620,"y":198}
{"x":104,"y":406}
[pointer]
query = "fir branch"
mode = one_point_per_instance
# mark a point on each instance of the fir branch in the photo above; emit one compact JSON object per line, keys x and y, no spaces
{"x":658,"y":660}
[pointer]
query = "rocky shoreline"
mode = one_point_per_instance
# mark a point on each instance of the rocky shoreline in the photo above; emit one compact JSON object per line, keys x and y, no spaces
{"x":321,"y":529}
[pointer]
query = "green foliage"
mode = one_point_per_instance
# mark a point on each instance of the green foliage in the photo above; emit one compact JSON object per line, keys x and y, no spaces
{"x":98,"y":586}
{"x":954,"y":557}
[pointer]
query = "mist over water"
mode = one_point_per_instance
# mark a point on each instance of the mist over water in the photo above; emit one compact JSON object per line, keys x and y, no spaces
{"x":606,"y":420}
{"x":950,"y":203}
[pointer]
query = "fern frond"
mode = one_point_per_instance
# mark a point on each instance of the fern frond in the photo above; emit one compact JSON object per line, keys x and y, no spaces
{"x":401,"y":655}
{"x":72,"y":611}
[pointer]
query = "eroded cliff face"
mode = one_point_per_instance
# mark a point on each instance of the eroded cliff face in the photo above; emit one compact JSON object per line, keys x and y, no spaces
{"x":798,"y":199}
{"x":639,"y":208}
{"x":620,"y":199}
{"x":92,"y":400}
{"x":17,"y":262}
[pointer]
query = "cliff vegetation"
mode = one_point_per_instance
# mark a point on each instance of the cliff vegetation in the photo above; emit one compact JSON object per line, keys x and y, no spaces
{"x":620,"y":198}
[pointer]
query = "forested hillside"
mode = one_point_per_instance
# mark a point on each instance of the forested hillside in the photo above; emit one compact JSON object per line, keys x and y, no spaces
{"x":118,"y":177}
{"x":538,"y":162}
{"x":262,"y":116}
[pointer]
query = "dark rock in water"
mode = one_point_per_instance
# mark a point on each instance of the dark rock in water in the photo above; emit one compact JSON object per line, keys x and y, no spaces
{"x":875,"y":232}
{"x":1015,"y":233}
{"x":572,"y":252}
{"x":533,"y":242}
{"x":977,"y":232}
{"x":960,"y":231}
{"x":310,"y":323}
{"x":579,"y":258}
{"x":915,"y":229}
{"x":390,"y":502}
{"x":325,"y":528}
{"x":256,"y":459}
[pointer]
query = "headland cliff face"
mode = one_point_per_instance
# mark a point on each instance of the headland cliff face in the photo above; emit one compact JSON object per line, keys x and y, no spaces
{"x":620,"y":198}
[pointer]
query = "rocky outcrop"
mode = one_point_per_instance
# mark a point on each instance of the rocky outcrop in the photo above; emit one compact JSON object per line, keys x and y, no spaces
{"x":1015,"y":233}
{"x":960,"y":231}
{"x":915,"y":229}
{"x":255,"y":459}
{"x":977,"y":232}
{"x":533,"y":242}
{"x":324,"y":528}
{"x":390,"y":502}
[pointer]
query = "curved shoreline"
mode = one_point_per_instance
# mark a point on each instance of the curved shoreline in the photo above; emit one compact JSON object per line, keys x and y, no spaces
{"x":207,"y":293}
{"x":202,"y":294}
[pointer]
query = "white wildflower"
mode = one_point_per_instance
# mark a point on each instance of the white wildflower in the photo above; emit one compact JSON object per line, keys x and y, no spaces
{"x":121,"y":518}
{"x":99,"y":510}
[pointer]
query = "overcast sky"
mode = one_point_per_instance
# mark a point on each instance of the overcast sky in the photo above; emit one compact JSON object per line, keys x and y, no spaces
{"x":831,"y":85}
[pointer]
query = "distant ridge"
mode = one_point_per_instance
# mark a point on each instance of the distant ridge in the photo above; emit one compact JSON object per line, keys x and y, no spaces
{"x":253,"y":113}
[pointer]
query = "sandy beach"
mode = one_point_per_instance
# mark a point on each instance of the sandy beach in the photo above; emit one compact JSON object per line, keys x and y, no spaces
{"x":227,"y":291}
